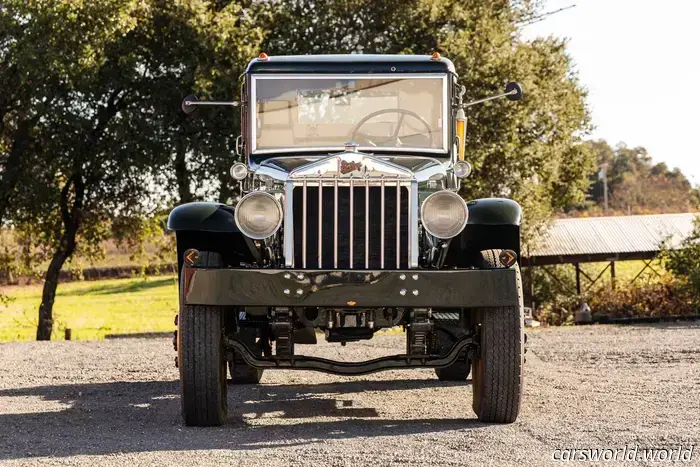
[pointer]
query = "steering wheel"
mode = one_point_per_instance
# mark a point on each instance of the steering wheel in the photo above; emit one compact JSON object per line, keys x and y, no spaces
{"x":395,"y":136}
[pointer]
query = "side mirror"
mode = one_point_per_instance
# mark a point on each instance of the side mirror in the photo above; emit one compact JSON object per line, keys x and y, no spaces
{"x":188,"y":108}
{"x":514,"y":92}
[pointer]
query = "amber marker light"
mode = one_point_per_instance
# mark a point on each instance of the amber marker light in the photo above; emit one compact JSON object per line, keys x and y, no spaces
{"x":508,"y":258}
{"x":263,"y":56}
{"x":435,"y":56}
{"x":461,"y":133}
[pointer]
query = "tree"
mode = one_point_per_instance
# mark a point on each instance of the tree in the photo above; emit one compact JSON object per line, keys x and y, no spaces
{"x":102,"y":151}
{"x":684,"y":262}
{"x":636,"y":184}
{"x":92,"y":137}
{"x":200,"y":48}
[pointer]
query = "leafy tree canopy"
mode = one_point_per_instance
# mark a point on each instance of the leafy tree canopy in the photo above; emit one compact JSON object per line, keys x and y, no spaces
{"x":636,"y":185}
{"x":92,"y":142}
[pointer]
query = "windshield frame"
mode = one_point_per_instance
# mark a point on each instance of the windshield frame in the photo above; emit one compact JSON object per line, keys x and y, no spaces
{"x":252,"y":111}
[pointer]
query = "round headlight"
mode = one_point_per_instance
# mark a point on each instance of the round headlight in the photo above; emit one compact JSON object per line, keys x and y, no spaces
{"x":462,"y":169}
{"x":239,"y":171}
{"x":258,"y":215}
{"x":444,"y":214}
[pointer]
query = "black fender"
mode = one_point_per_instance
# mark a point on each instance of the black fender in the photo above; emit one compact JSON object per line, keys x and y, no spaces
{"x":203,"y":217}
{"x":493,"y":223}
{"x":210,"y":227}
{"x":494,"y":211}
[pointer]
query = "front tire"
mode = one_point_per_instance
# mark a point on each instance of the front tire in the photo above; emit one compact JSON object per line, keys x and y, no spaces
{"x":498,"y":372}
{"x":201,"y":357}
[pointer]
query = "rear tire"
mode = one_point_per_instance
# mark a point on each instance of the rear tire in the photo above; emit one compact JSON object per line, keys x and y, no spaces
{"x":458,"y":371}
{"x":201,"y":357}
{"x":498,"y":372}
{"x":241,"y":373}
{"x":455,"y":372}
{"x":244,"y":374}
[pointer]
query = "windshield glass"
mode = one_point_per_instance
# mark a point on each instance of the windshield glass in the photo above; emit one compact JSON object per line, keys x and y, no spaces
{"x":326,"y":112}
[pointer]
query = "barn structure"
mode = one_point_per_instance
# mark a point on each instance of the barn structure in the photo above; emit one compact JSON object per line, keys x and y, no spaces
{"x":607,"y":239}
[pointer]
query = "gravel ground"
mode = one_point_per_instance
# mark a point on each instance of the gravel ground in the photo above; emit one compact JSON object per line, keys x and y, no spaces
{"x":116,"y":403}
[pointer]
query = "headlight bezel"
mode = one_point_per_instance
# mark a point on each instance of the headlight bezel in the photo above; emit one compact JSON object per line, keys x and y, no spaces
{"x":426,"y":204}
{"x":236,"y":173}
{"x":462,"y":169}
{"x":248,"y":197}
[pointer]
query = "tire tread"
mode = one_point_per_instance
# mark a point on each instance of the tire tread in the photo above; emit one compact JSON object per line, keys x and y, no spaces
{"x":498,"y":377}
{"x":202,"y":365}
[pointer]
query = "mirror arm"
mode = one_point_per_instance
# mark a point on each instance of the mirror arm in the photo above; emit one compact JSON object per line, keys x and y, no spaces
{"x":229,"y":103}
{"x":486,"y":99}
{"x":190,"y":104}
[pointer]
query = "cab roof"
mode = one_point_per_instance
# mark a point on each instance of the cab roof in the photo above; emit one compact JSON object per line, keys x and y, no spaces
{"x":350,"y":63}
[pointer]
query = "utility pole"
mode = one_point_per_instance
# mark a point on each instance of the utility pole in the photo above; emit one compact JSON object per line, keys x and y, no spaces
{"x":603,"y":175}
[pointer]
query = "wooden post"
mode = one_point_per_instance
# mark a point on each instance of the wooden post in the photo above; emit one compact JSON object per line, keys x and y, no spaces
{"x":578,"y":279}
{"x":68,"y":334}
{"x":612,"y":274}
{"x":531,"y":286}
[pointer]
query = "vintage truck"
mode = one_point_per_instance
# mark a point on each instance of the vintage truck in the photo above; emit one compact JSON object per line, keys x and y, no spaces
{"x":348,"y":220}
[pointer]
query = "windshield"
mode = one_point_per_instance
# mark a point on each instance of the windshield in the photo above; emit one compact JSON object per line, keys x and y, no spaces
{"x":326,"y":112}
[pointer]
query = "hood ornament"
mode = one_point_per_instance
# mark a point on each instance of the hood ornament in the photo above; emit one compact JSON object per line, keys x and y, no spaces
{"x":351,"y":146}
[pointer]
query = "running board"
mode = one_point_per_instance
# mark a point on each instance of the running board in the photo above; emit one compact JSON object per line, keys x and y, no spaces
{"x":394,"y":362}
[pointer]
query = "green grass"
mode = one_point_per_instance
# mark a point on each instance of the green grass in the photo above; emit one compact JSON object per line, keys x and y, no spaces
{"x":93,"y":309}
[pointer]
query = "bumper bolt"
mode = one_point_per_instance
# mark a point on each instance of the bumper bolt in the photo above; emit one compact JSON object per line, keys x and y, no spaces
{"x":402,"y":277}
{"x":415,"y":291}
{"x":287,"y":275}
{"x":402,"y":291}
{"x":299,"y":291}
{"x":300,"y":277}
{"x":415,"y":277}
{"x":286,"y":291}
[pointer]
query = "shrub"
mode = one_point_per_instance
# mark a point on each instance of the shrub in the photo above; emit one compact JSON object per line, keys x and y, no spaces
{"x":684,"y":263}
{"x":558,"y":310}
{"x":670,"y":297}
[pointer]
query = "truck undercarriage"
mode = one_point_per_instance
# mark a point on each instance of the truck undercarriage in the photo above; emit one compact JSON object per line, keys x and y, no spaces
{"x":286,"y":307}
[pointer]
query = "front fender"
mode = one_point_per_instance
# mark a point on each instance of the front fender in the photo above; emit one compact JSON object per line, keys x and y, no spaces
{"x":494,"y":223}
{"x":203,"y":217}
{"x":494,"y":211}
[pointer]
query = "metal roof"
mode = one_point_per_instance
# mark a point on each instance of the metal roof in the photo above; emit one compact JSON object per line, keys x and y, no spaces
{"x":619,"y":236}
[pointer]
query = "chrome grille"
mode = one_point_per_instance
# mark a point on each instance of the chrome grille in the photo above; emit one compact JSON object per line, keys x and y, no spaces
{"x":348,"y":224}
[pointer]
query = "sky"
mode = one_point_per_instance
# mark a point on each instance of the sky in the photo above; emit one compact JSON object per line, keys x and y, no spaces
{"x":640,"y":62}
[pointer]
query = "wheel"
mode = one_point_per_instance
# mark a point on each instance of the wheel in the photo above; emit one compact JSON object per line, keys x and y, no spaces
{"x":242,"y":373}
{"x":458,"y":371}
{"x":498,"y":372}
{"x":201,"y":358}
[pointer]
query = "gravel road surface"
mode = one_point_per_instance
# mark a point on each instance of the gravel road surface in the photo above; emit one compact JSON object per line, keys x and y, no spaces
{"x":116,"y":403}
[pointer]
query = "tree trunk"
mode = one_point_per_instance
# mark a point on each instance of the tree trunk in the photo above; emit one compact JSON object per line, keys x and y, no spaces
{"x":62,"y":253}
{"x":182,"y":176}
{"x":225,"y":188}
{"x":71,"y":217}
{"x":11,"y":174}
